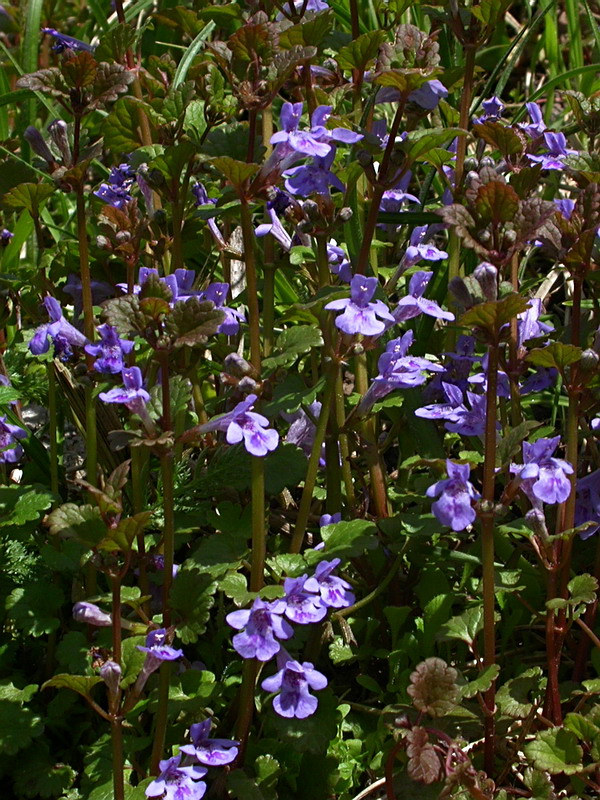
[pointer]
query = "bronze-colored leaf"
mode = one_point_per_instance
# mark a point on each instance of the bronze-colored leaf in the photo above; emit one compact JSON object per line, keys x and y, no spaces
{"x":423,"y":762}
{"x":509,"y":141}
{"x":496,"y":203}
{"x":80,"y":70}
{"x":433,"y":687}
{"x":193,"y":321}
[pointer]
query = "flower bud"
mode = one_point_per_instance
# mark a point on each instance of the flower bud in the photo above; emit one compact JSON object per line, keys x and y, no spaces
{"x":91,"y":614}
{"x":237,"y":366}
{"x":110,"y":672}
{"x":345,"y":214}
{"x":248,"y":385}
{"x":59,"y":134}
{"x":487,"y":161}
{"x":103,"y":243}
{"x":589,"y":360}
{"x":122,"y":237}
{"x":38,"y":144}
{"x":160,"y":216}
{"x":311,"y":209}
{"x":487,"y":276}
{"x":536,"y":521}
{"x":458,"y":289}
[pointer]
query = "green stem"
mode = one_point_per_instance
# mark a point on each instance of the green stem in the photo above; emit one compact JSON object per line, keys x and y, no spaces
{"x":259,"y":536}
{"x":116,"y":729}
{"x":162,"y":716}
{"x":378,"y":190}
{"x":340,"y":413}
{"x":251,"y":284}
{"x":313,"y":461}
{"x":269,"y":250}
{"x":52,"y":429}
{"x":465,"y":106}
{"x":369,"y":433}
{"x":246,"y":706}
{"x":379,"y":589}
{"x":487,"y":556}
{"x":89,"y":331}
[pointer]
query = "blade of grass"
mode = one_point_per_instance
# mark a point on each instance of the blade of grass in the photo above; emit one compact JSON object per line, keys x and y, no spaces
{"x":548,"y":87}
{"x":130,"y":13}
{"x":191,"y":53}
{"x":574,"y":34}
{"x":30,"y":50}
{"x":99,"y":14}
{"x":510,"y":58}
{"x":5,"y":89}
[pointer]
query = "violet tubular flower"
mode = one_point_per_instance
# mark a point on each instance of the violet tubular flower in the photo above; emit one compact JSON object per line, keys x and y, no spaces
{"x":544,"y":478}
{"x":116,"y":192}
{"x":554,"y":159}
{"x":335,"y":592}
{"x":420,"y":250}
{"x":243,"y":424}
{"x":91,"y":614}
{"x":63,"y":42}
{"x":10,"y":449}
{"x":177,"y":782}
{"x":455,"y":495}
{"x":260,"y":628}
{"x":492,"y":110}
{"x":459,"y":417}
{"x":587,"y":506}
{"x":428,"y":95}
{"x":302,"y":143}
{"x":397,"y":370}
{"x":293,"y":681}
{"x":415,"y":304}
{"x":360,"y":314}
{"x":63,"y":335}
{"x":217,"y":294}
{"x":338,"y":261}
{"x":315,"y":178}
{"x":133,"y":395}
{"x":303,"y":605}
{"x":211,"y":752}
{"x":109,"y":351}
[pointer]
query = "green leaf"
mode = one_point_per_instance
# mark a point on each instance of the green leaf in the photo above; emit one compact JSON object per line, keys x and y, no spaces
{"x":307,"y":33}
{"x":18,"y":725}
{"x":516,"y":695}
{"x":37,"y":775}
{"x":82,"y":684}
{"x":191,"y":322}
{"x":492,"y":316}
{"x":72,"y":652}
{"x":120,"y":128}
{"x":238,"y":173}
{"x":191,"y":53}
{"x":21,"y":504}
{"x":510,"y":443}
{"x":192,"y":597}
{"x":114,"y":44}
{"x":82,"y":523}
{"x":464,"y":627}
{"x":132,"y":659}
{"x":509,"y":141}
{"x":313,"y":734}
{"x":557,"y":355}
{"x":540,"y":784}
{"x":361,"y":51}
{"x":583,"y":728}
{"x":555,"y":750}
{"x":30,"y":196}
{"x":345,"y":540}
{"x":33,"y":609}
{"x":582,"y":589}
{"x":420,"y":143}
{"x":482,"y":682}
{"x":490,"y":12}
{"x":292,"y":343}
{"x":496,"y":203}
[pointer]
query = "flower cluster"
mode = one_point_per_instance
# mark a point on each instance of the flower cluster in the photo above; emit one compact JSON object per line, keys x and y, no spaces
{"x":262,"y":627}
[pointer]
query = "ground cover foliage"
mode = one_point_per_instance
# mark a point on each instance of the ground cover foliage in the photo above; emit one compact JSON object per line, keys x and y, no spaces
{"x":299,"y":371}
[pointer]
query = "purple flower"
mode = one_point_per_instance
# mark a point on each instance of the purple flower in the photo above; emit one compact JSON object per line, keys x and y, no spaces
{"x":330,"y":519}
{"x":414,"y":303}
{"x":91,"y":614}
{"x":212,"y":752}
{"x":109,"y":351}
{"x":302,"y":429}
{"x":260,"y":625}
{"x":556,"y":144}
{"x":63,"y":335}
{"x":111,"y":674}
{"x":538,"y":381}
{"x":338,"y":262}
{"x":315,"y":178}
{"x":429,"y":94}
{"x":393,"y":199}
{"x":544,"y":478}
{"x":276,"y":229}
{"x":456,"y":369}
{"x":537,"y":126}
{"x":419,"y":250}
{"x":202,"y":199}
{"x":156,"y":650}
{"x":360,"y":315}
{"x":334,"y":592}
{"x":460,"y":418}
{"x":565,"y":205}
{"x":455,"y":494}
{"x":100,"y":292}
{"x":64,"y":42}
{"x":300,"y":142}
{"x":244,"y":424}
{"x":302,"y":606}
{"x":528,"y":322}
{"x":293,"y":682}
{"x":10,"y":450}
{"x":132,"y":395}
{"x":292,"y":7}
{"x":397,"y":370}
{"x":492,"y":110}
{"x":217,"y":293}
{"x":116,"y":192}
{"x":5,"y":237}
{"x":176,"y":782}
